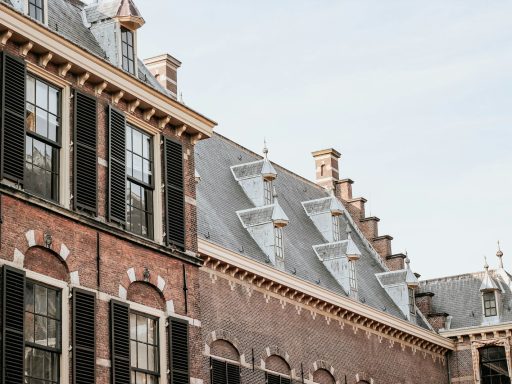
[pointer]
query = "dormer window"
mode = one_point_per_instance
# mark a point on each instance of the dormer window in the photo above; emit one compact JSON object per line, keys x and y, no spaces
{"x":352,"y":275}
{"x":336,"y":228}
{"x":36,"y":10}
{"x":490,"y":304}
{"x":268,"y":192}
{"x":412,"y":307}
{"x":278,"y":242}
{"x":127,"y":50}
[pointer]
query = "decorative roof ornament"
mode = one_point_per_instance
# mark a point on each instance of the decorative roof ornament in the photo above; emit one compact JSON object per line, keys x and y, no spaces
{"x":410,"y":278}
{"x":336,"y":207}
{"x":129,"y":16}
{"x":488,"y":283}
{"x":279,"y":218}
{"x":267,"y":170}
{"x":499,"y":254}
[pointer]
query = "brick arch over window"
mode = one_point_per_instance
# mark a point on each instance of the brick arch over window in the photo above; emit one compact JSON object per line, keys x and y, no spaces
{"x":221,"y":335}
{"x":46,"y":262}
{"x":146,"y":294}
{"x":139,"y":274}
{"x":277,"y":360}
{"x":323,"y":373}
{"x":36,"y":241}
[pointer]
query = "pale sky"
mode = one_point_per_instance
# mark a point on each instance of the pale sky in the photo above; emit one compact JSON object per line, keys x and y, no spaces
{"x":416,"y":95}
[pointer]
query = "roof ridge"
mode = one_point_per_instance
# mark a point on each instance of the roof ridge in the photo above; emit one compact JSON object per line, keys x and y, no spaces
{"x":291,"y":173}
{"x":451,"y":277}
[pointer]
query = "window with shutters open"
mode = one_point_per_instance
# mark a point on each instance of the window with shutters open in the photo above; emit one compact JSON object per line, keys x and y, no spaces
{"x":174,"y":193}
{"x":139,"y":177}
{"x":144,"y":348}
{"x":42,"y":143}
{"x":276,"y":379}
{"x":178,"y":351}
{"x":42,"y":333}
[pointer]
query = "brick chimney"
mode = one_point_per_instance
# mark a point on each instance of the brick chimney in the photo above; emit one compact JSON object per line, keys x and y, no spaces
{"x":165,"y":69}
{"x":326,"y":164}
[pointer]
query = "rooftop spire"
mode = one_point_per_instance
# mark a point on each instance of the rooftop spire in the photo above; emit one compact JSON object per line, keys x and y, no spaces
{"x":265,"y":149}
{"x":499,"y":254}
{"x":486,"y":266}
{"x":267,"y":170}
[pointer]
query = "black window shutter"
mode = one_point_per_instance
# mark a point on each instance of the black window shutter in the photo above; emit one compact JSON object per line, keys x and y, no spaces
{"x":178,"y":351}
{"x":217,"y":372}
{"x":120,"y":341}
{"x":12,"y":110}
{"x":84,"y":337}
{"x":85,"y":174}
{"x":273,"y":379}
{"x":285,"y":380}
{"x":233,"y":373}
{"x":117,"y":166}
{"x":13,"y":320}
{"x":174,"y":193}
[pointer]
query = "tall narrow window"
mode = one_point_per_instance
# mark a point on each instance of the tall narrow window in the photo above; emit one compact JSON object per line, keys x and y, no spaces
{"x":43,"y":116}
{"x":336,"y":228}
{"x":36,"y":9}
{"x":128,"y":53}
{"x":493,"y":366}
{"x":42,"y":334}
{"x":144,"y":349}
{"x":267,"y":192}
{"x":352,"y":275}
{"x":139,"y":194}
{"x":278,"y":242}
{"x":490,"y":304}
{"x":412,"y":308}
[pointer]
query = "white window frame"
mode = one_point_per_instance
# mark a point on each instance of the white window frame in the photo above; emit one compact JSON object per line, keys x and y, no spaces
{"x":495,"y":305}
{"x":162,"y":334}
{"x":268,"y":197}
{"x":336,"y":228}
{"x":45,"y":10}
{"x":278,"y":242}
{"x":411,"y":297}
{"x":352,"y":277}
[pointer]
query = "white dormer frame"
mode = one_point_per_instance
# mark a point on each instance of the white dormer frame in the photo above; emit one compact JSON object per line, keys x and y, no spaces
{"x":352,"y":277}
{"x":119,"y":43}
{"x":412,"y":303}
{"x":336,"y":227}
{"x":278,"y":243}
{"x":495,"y":294}
{"x":268,"y":192}
{"x":45,"y":10}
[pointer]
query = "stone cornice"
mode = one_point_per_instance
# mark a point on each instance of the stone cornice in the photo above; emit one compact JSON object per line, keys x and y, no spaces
{"x":23,"y":31}
{"x":276,"y":282}
{"x":478,"y":330}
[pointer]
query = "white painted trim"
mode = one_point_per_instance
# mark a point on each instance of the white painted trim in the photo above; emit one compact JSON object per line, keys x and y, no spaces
{"x":476,"y":330}
{"x":158,"y":232}
{"x":65,"y":151}
{"x":283,"y":278}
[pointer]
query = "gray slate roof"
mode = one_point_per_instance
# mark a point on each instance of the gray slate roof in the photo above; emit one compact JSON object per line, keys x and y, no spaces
{"x":460,"y":297}
{"x":65,"y":19}
{"x":219,"y":196}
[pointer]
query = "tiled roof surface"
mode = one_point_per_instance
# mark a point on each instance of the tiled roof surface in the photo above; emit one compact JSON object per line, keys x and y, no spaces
{"x":460,"y":297}
{"x":219,"y":196}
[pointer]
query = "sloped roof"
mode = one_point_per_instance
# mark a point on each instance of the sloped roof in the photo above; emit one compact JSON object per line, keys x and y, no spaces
{"x":65,"y":19}
{"x":460,"y":297}
{"x":219,"y":197}
{"x":247,"y":170}
{"x":256,"y":216}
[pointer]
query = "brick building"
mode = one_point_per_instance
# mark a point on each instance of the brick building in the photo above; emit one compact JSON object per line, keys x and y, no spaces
{"x":114,"y":271}
{"x":98,"y":258}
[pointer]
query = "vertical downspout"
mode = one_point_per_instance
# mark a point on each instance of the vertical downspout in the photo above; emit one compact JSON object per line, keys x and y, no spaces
{"x":185,"y":288}
{"x":98,"y":252}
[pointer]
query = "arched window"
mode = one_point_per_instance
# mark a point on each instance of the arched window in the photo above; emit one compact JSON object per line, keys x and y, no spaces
{"x":493,"y":366}
{"x":279,"y":368}
{"x":224,"y":363}
{"x":323,"y":376}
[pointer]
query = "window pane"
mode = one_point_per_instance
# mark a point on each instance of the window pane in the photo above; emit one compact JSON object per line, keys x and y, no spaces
{"x":52,"y":303}
{"x":53,"y":100}
{"x":141,"y":378}
{"x":41,"y":94}
{"x":52,"y":333}
{"x":41,"y":327}
{"x":133,"y":326}
{"x":142,"y":329}
{"x":133,"y":353}
{"x":53,"y":126}
{"x":41,"y":122}
{"x":40,"y":299}
{"x":137,"y":142}
{"x":152,"y":358}
{"x":37,"y":363}
{"x":29,"y":298}
{"x":137,"y":167}
{"x":31,"y":89}
{"x":29,"y":327}
{"x":38,"y":153}
{"x":142,"y":356}
{"x":152,"y":331}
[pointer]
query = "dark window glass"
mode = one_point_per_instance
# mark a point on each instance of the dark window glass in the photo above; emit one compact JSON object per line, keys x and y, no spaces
{"x":268,"y":194}
{"x":493,"y":366}
{"x":412,"y":309}
{"x":139,"y":189}
{"x":36,"y":9}
{"x":490,"y":304}
{"x":128,"y":54}
{"x":42,"y":334}
{"x":43,"y":116}
{"x":144,"y":345}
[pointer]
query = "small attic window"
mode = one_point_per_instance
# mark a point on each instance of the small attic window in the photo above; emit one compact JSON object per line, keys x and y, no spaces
{"x":127,"y":50}
{"x":412,"y":308}
{"x":267,"y":192}
{"x":489,"y":304}
{"x":336,"y":228}
{"x":278,"y":243}
{"x":36,"y":10}
{"x":352,"y":275}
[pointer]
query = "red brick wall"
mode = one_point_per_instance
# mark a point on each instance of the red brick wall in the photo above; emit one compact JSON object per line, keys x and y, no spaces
{"x":256,"y":325}
{"x":118,"y":251}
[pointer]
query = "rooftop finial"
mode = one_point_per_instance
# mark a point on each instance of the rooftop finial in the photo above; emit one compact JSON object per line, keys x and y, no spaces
{"x":499,"y":254}
{"x":274,"y":194}
{"x":407,"y":260}
{"x":486,"y":266}
{"x":265,"y":149}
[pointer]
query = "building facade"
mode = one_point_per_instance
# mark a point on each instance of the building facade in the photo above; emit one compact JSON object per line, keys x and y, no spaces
{"x":137,"y":246}
{"x":98,"y":258}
